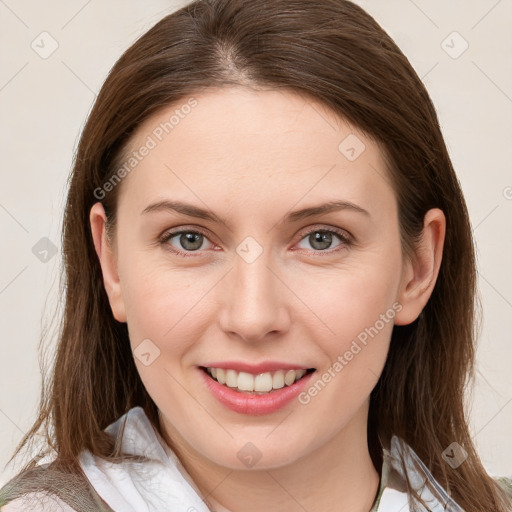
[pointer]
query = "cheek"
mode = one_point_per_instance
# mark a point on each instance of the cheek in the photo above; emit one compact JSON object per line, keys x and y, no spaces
{"x":163,"y":304}
{"x":162,"y":307}
{"x":355,"y":307}
{"x":346,"y":301}
{"x":353,"y":331}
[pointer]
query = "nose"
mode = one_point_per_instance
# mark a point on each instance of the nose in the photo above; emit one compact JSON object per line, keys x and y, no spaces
{"x":254,"y":301}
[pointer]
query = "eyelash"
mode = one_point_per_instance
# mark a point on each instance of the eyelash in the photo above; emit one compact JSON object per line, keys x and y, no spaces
{"x":344,"y":238}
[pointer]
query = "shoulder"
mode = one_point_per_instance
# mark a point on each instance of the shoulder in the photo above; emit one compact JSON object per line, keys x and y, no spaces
{"x":49,"y":489}
{"x":506,"y":484}
{"x":37,"y":502}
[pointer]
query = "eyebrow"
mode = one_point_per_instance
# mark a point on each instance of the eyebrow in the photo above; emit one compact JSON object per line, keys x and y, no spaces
{"x":200,"y":213}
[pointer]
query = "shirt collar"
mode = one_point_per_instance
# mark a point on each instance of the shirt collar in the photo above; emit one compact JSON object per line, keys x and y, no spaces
{"x":161,"y":483}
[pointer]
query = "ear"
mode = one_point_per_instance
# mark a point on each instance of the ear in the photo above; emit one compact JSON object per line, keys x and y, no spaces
{"x":421,"y":270}
{"x":107,"y":258}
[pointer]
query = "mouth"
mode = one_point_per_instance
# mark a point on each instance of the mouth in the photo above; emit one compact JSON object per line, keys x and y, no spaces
{"x":261,"y":384}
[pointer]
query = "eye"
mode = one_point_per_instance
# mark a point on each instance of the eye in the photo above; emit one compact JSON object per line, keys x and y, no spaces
{"x":322,"y":239}
{"x":184,"y":241}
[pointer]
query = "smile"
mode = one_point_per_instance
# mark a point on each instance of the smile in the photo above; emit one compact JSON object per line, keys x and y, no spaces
{"x":254,"y":402}
{"x":262,"y":383}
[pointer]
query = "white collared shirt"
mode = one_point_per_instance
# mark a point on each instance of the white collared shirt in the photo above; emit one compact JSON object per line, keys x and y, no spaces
{"x":160,"y":483}
{"x":164,"y":485}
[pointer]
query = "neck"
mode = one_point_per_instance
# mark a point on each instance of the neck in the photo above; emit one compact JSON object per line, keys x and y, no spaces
{"x":337,"y":476}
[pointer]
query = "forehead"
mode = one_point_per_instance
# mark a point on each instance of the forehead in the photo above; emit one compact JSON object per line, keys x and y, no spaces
{"x":262,"y":145}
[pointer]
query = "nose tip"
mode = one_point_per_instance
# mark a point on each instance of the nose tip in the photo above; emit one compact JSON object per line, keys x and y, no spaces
{"x":253,"y":305}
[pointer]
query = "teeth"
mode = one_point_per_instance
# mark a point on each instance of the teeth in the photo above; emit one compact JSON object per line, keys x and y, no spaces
{"x":289,"y":378}
{"x":220,"y":375}
{"x":231,"y":378}
{"x":259,"y":384}
{"x":278,"y":380}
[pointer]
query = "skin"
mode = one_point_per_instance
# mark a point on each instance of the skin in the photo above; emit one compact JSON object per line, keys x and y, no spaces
{"x":252,"y":157}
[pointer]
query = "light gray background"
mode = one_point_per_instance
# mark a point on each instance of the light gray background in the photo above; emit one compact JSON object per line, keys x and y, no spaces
{"x":45,"y":101}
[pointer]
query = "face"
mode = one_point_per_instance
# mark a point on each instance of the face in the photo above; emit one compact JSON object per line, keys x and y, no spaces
{"x":255,"y":281}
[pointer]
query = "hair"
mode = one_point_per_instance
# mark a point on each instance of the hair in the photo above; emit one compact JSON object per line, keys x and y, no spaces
{"x":333,"y":52}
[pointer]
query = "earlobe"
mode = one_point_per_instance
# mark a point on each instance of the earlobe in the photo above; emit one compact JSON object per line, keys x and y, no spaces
{"x":107,"y":260}
{"x":421,"y":271}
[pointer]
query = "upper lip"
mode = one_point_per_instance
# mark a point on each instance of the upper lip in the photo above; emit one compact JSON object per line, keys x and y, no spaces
{"x":255,"y":369}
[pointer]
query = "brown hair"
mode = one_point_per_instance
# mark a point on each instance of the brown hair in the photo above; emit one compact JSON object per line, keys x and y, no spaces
{"x":333,"y":52}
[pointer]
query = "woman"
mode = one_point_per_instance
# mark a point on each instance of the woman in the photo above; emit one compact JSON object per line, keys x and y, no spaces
{"x":270,"y":279}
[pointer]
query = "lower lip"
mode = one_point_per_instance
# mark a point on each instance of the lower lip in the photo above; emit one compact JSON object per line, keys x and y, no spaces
{"x":254,"y":405}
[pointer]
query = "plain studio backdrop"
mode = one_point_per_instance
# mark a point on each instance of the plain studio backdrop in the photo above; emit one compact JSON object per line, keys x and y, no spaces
{"x":55,"y":56}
